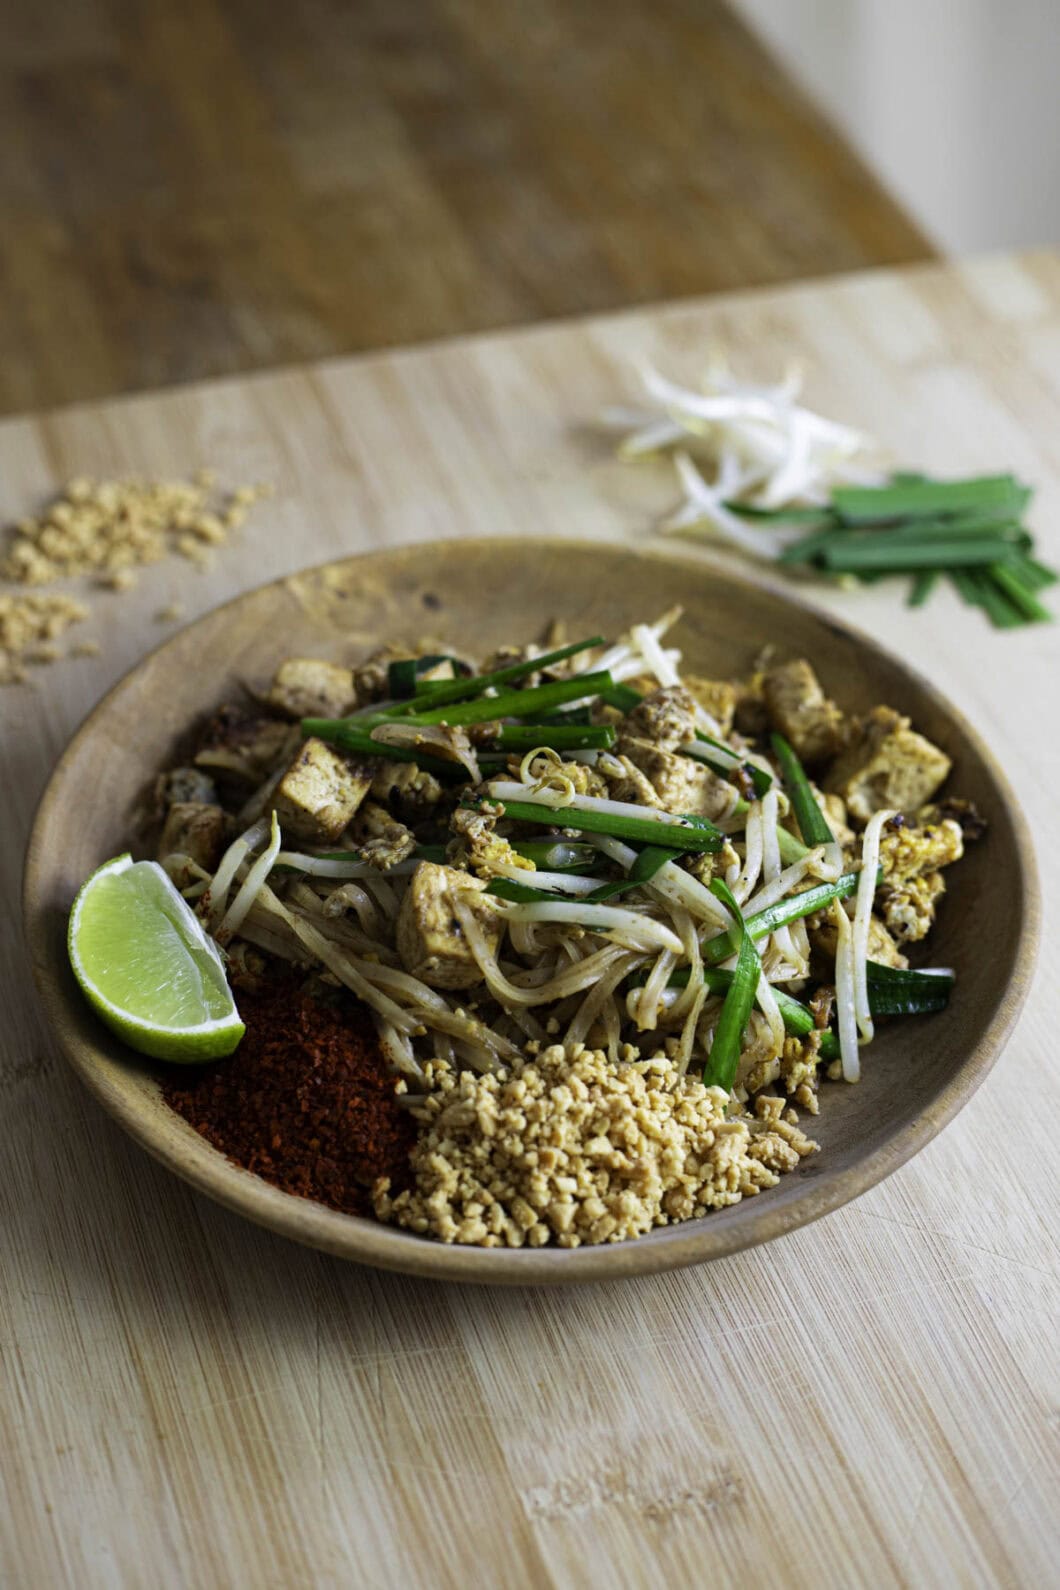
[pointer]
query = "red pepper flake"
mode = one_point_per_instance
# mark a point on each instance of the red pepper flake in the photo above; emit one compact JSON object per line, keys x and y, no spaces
{"x":305,"y":1102}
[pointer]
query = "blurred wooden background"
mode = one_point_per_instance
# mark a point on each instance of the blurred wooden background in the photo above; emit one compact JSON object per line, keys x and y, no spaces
{"x":196,"y":188}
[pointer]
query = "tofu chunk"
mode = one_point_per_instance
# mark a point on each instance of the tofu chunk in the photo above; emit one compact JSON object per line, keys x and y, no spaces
{"x":886,"y":764}
{"x":801,"y":711}
{"x":195,"y":829}
{"x":320,"y":792}
{"x":665,"y":718}
{"x":680,"y":784}
{"x":429,"y":938}
{"x":715,"y":696}
{"x":184,"y":784}
{"x":247,"y":747}
{"x":308,"y":687}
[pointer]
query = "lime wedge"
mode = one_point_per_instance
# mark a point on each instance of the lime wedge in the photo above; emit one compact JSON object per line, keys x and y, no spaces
{"x":147,"y":967}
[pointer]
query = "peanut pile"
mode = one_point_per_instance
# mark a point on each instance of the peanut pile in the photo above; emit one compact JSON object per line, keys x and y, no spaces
{"x":571,"y":1149}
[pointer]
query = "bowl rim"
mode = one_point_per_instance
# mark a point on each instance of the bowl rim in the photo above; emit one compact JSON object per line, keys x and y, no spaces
{"x":365,"y":1240}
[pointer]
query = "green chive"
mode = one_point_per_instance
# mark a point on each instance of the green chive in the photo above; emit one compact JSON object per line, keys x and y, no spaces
{"x":401,"y":676}
{"x":623,"y":698}
{"x":1034,"y":575}
{"x":515,"y":703}
{"x":724,"y":1057}
{"x":889,"y":555}
{"x":509,"y":889}
{"x":1023,"y":600}
{"x":813,"y":825}
{"x":781,"y":914}
{"x":557,"y":855}
{"x":922,"y":587}
{"x":691,"y":833}
{"x":527,"y":736}
{"x":647,"y":864}
{"x":345,"y":733}
{"x":463,"y":689}
{"x":927,"y":499}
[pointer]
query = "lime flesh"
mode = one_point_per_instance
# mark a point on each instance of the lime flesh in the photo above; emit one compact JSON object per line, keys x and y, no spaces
{"x":147,"y":967}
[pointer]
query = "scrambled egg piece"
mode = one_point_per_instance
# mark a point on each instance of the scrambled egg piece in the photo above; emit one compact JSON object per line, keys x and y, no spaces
{"x":381,"y":840}
{"x":480,"y":848}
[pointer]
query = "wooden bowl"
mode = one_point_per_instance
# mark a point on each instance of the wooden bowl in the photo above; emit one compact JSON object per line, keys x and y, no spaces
{"x":918,"y":1073}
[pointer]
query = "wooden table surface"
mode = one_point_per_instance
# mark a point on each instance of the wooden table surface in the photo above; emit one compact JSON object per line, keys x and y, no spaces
{"x":875,"y":1400}
{"x":217,"y":186}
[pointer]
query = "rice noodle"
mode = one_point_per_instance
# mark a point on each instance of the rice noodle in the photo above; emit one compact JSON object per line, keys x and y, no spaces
{"x":646,"y":1013}
{"x":599,"y":997}
{"x":397,"y":1049}
{"x":576,"y":977}
{"x":870,"y":860}
{"x":341,"y":965}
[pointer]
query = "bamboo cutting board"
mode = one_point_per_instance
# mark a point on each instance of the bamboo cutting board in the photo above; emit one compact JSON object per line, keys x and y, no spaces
{"x":874,"y":1400}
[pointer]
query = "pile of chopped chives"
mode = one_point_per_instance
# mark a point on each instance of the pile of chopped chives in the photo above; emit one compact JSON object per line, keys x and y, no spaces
{"x":971,"y":532}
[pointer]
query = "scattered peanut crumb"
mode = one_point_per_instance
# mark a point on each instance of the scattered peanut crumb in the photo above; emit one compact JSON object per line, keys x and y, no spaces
{"x":29,"y":628}
{"x":170,"y":613}
{"x":104,"y":530}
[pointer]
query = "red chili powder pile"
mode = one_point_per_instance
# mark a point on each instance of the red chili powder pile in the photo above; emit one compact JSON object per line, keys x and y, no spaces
{"x":305,"y":1101}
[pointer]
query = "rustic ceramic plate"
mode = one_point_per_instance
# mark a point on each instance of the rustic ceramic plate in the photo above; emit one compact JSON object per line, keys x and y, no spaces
{"x":919,"y":1073}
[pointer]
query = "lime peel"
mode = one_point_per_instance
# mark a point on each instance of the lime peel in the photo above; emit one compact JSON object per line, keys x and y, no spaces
{"x":148,"y":968}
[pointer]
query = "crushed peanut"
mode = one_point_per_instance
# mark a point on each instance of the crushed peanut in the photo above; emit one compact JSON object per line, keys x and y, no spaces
{"x":29,"y":628}
{"x":568,"y":1148}
{"x":104,"y":530}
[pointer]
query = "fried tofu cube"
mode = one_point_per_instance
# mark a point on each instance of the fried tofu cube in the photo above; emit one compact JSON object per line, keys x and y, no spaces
{"x":247,"y":747}
{"x":309,"y":687}
{"x":715,"y":696}
{"x":801,"y":711}
{"x":887,"y":764}
{"x":195,"y":829}
{"x":320,"y":792}
{"x":430,"y":940}
{"x":681,"y":784}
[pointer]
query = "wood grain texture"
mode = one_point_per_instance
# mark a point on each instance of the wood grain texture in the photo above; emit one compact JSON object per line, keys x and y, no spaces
{"x":875,"y":1400}
{"x":201,"y":189}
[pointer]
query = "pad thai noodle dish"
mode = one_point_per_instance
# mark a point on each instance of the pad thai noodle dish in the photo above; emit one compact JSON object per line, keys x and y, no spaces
{"x":554,"y":946}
